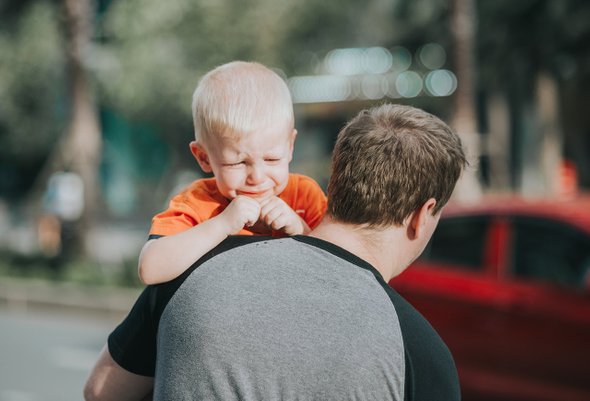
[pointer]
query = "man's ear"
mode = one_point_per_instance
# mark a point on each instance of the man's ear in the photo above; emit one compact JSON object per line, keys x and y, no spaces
{"x":418,"y":220}
{"x":201,"y":156}
{"x":292,"y":143}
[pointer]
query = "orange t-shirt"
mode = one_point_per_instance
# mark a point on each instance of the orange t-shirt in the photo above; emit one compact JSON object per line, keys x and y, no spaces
{"x":201,"y":201}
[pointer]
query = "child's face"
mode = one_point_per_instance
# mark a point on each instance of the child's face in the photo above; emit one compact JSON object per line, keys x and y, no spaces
{"x":254,"y":165}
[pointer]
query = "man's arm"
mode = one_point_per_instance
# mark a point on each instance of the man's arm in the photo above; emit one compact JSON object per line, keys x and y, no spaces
{"x":108,"y":381}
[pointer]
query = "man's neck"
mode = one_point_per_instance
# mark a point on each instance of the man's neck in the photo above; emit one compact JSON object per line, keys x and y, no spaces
{"x":378,"y":247}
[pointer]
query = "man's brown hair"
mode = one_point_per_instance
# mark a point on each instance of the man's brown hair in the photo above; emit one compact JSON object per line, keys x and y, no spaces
{"x":388,"y":161}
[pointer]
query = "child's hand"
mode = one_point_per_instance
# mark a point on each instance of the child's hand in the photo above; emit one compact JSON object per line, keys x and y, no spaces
{"x":242,"y":211}
{"x":279,"y":216}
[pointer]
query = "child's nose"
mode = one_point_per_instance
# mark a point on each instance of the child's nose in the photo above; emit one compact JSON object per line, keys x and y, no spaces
{"x":255,"y":174}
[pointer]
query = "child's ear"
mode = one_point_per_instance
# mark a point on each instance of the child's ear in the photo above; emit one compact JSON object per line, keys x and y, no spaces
{"x":292,"y":143}
{"x":201,"y":156}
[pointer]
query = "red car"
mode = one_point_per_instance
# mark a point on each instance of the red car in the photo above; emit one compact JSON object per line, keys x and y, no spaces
{"x":506,"y":283}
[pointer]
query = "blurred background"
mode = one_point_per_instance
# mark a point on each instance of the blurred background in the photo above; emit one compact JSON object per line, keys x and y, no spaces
{"x":95,"y":123}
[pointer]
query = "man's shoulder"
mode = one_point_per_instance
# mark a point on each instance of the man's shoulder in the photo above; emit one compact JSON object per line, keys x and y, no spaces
{"x":234,"y":241}
{"x":277,"y":297}
{"x":230,"y":243}
{"x":166,"y":290}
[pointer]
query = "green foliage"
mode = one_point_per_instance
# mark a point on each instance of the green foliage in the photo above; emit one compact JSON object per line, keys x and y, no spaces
{"x":76,"y":271}
{"x":422,"y":21}
{"x":155,"y":51}
{"x":31,"y":92}
{"x":518,"y":39}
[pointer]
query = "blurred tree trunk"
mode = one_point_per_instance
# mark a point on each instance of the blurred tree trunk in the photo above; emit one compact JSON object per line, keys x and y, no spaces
{"x":79,"y":148}
{"x":541,"y":150}
{"x":497,"y":146}
{"x":82,"y":148}
{"x":464,"y":120}
{"x":550,"y":131}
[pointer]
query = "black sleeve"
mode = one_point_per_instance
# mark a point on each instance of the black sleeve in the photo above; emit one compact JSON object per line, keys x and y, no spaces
{"x":431,"y":373}
{"x":133,"y":343}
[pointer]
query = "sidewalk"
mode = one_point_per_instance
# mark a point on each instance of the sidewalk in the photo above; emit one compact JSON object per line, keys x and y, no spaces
{"x":35,"y":295}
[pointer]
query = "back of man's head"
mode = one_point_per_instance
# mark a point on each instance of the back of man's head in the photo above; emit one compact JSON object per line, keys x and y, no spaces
{"x":238,"y":98}
{"x":388,"y":161}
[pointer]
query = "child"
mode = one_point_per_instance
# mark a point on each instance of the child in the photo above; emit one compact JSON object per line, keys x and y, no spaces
{"x":244,"y":135}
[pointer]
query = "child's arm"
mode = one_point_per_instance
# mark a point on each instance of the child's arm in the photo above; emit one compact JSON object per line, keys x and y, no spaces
{"x":167,"y":257}
{"x":279,"y":216}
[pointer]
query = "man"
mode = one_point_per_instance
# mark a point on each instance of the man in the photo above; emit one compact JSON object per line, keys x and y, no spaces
{"x":307,"y":317}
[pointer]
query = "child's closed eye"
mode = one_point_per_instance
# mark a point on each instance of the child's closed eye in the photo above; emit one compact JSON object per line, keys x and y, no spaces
{"x":236,"y":164}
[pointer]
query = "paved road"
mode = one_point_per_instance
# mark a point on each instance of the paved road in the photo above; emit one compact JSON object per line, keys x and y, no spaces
{"x":46,"y":356}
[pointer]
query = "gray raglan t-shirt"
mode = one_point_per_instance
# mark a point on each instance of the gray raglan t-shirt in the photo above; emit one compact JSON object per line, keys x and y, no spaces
{"x":282,"y":319}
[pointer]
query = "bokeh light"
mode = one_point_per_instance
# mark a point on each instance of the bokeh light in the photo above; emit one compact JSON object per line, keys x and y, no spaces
{"x":344,"y":61}
{"x":401,"y":58}
{"x":409,"y":84}
{"x":377,"y":60}
{"x":320,"y":88}
{"x":432,"y":56}
{"x":372,"y":86}
{"x":440,"y":83}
